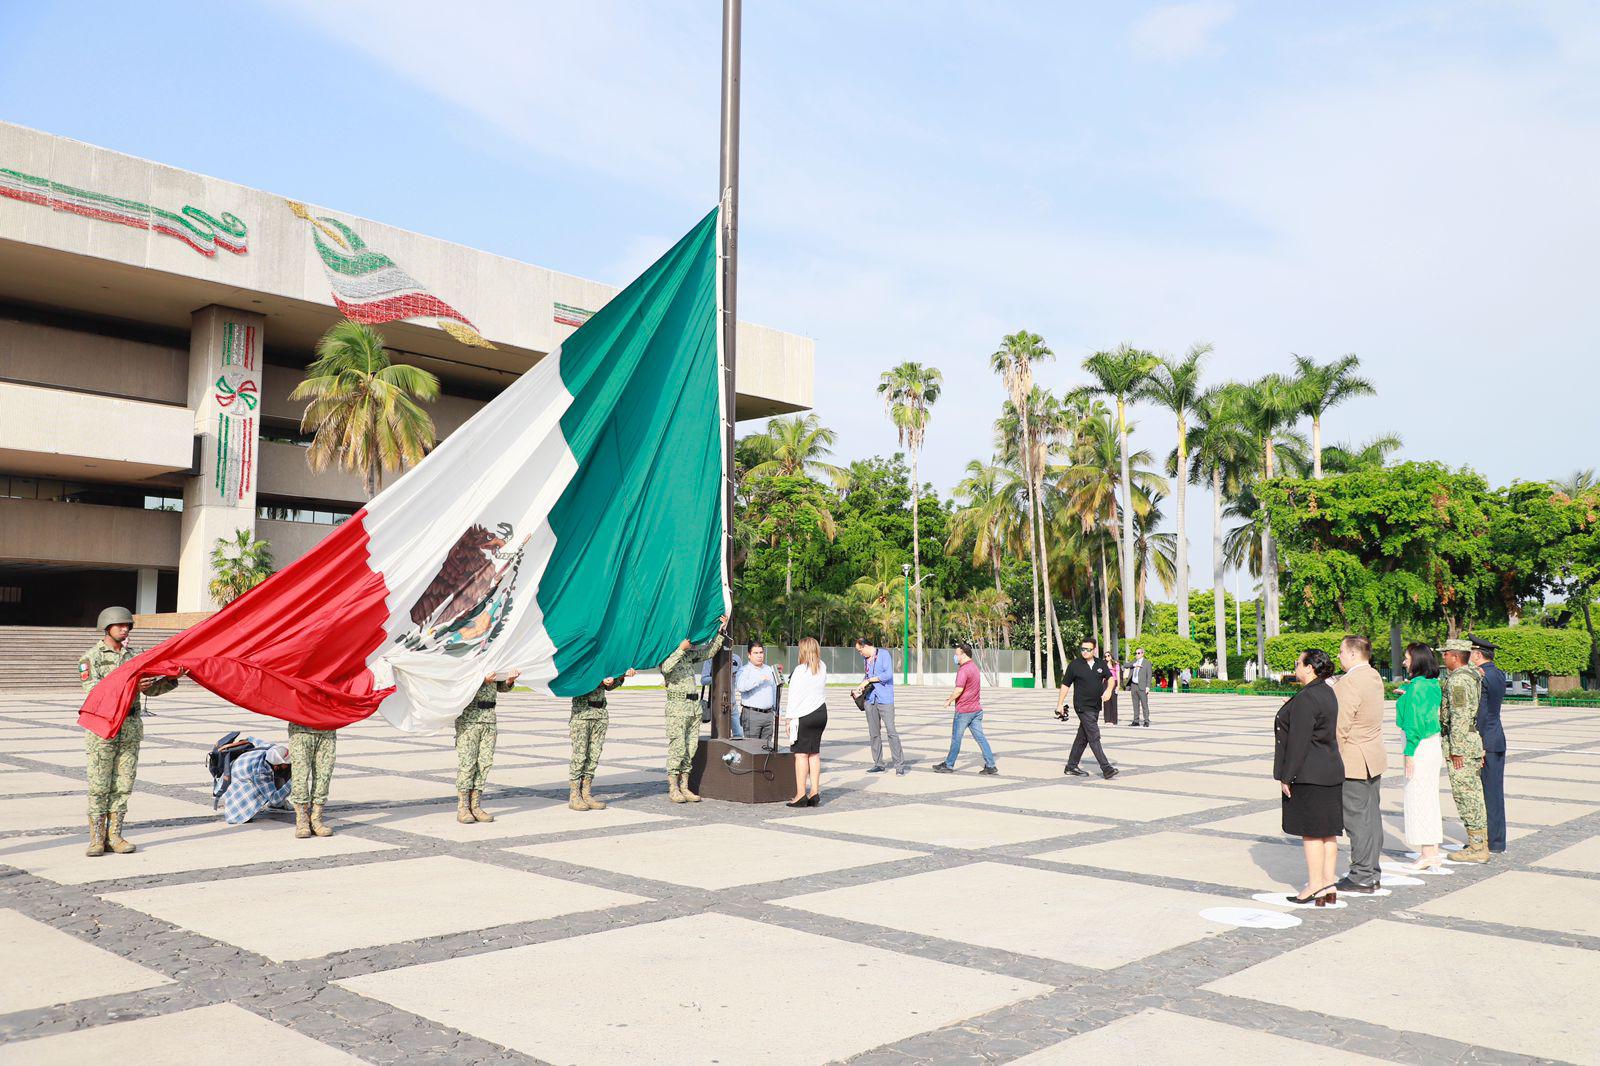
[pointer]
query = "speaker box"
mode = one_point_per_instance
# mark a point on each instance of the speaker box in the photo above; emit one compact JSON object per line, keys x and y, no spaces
{"x":757,"y":775}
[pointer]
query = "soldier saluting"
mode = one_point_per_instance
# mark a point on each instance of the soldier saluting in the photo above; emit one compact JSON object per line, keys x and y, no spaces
{"x":1463,"y":747}
{"x":114,"y":761}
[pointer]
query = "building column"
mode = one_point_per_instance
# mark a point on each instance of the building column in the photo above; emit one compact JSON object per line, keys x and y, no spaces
{"x":225,"y":349}
{"x":144,"y":600}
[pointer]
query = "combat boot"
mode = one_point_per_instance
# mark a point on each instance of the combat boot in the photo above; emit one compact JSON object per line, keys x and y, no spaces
{"x":464,"y":808}
{"x":302,"y":825}
{"x":672,"y":790}
{"x":588,"y":796}
{"x":318,"y":826}
{"x":114,"y":839}
{"x":575,"y":797}
{"x":475,"y":803}
{"x":1477,"y":849}
{"x":97,"y":836}
{"x":683,"y":785}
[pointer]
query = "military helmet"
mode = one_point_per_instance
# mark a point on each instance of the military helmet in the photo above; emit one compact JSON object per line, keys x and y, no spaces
{"x":1459,"y":644}
{"x":114,"y":616}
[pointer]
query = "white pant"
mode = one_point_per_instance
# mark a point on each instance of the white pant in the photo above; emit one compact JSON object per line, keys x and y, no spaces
{"x":1423,"y":825}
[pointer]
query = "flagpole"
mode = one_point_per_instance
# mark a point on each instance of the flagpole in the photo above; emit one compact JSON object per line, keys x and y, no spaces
{"x":728,"y":196}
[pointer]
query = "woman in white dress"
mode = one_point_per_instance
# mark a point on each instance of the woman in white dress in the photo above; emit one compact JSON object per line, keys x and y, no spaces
{"x":807,"y":717}
{"x":1417,"y":715}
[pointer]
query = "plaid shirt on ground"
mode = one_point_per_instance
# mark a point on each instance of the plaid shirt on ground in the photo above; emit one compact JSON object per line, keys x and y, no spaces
{"x":252,"y":787}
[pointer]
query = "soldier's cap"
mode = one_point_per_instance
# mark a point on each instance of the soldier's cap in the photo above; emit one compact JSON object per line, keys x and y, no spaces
{"x":114,"y":616}
{"x":1483,"y":645}
{"x":1457,"y":644}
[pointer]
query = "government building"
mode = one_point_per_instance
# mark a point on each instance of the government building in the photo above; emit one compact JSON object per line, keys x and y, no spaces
{"x":153,"y":323}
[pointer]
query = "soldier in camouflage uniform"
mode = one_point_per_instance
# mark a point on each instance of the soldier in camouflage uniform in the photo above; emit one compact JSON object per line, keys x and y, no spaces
{"x":1463,"y":747}
{"x":683,"y":712}
{"x":311,"y":753}
{"x":114,"y":762}
{"x":588,"y":731}
{"x":477,"y":728}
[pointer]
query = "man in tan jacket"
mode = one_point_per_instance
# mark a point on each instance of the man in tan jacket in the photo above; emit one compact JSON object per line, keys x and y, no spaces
{"x":1360,"y":734}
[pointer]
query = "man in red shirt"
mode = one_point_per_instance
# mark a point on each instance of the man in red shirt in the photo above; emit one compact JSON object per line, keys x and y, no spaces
{"x":969,"y":713}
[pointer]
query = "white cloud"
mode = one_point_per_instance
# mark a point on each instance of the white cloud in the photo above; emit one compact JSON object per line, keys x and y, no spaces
{"x":1180,"y":31}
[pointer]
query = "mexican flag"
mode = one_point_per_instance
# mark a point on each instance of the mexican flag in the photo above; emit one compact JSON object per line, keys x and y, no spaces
{"x":572,"y":529}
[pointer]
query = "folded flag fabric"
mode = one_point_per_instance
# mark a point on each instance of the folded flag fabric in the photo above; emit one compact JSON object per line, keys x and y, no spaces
{"x":574,"y":527}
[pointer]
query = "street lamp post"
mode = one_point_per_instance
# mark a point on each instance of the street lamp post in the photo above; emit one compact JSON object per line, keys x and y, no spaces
{"x":905,"y":628}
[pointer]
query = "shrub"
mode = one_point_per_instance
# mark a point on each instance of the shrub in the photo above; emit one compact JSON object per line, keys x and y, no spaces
{"x":1539,"y":652}
{"x":1284,"y":649}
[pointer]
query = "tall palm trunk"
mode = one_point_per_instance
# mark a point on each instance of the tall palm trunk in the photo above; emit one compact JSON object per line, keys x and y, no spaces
{"x":1130,"y":629}
{"x":916,"y":558}
{"x":788,"y":568}
{"x":1183,"y":531}
{"x":1050,"y":626}
{"x":1105,"y":600}
{"x":1316,"y":447}
{"x":1219,"y":587}
{"x":1043,"y":666}
{"x":1033,"y":567}
{"x":1269,"y":555}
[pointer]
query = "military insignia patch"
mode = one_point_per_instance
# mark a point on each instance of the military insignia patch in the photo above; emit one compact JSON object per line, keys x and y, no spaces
{"x":83,"y":669}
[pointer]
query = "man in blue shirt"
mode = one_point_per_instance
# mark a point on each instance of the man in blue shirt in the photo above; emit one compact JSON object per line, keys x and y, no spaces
{"x":757,"y":686}
{"x":876,"y":693}
{"x":1493,"y":773}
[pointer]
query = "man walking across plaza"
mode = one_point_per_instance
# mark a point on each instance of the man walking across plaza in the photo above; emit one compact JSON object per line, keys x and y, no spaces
{"x":1463,"y":748}
{"x":1089,"y":679}
{"x":968,"y":715}
{"x":114,"y":761}
{"x":757,"y":686}
{"x":1493,"y":735}
{"x":682,"y":679}
{"x":876,"y":692}
{"x":1360,"y":735}
{"x":1139,"y":674}
{"x":477,"y":729}
{"x":587,"y":729}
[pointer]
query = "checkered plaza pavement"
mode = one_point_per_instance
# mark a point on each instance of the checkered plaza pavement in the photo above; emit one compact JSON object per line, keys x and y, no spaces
{"x":926,"y":918}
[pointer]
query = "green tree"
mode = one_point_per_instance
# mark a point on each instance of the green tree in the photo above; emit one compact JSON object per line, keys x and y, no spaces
{"x":1014,"y":361}
{"x":1323,"y":386}
{"x":238,"y":564}
{"x":1171,"y":652}
{"x":364,"y":408}
{"x":1221,"y":451}
{"x":909,"y":392}
{"x":1120,"y":374}
{"x":1349,"y":458}
{"x":799,"y":444}
{"x":1175,"y":386}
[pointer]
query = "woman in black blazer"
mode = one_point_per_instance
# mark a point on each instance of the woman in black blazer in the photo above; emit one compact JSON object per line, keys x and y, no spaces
{"x":1307,"y":766}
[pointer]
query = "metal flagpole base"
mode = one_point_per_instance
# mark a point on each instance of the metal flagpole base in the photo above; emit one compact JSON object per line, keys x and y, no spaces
{"x":753,"y":775}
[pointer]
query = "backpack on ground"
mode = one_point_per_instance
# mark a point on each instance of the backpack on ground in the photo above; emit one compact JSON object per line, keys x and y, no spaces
{"x":220,"y":759}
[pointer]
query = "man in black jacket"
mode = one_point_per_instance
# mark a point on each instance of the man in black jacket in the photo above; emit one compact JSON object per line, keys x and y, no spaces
{"x":1089,"y":678}
{"x":1494,"y":740}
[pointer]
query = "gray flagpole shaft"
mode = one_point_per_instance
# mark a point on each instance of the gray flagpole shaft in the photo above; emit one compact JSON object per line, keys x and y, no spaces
{"x":728,"y":195}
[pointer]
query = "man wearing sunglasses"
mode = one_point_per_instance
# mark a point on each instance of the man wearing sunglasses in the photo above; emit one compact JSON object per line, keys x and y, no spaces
{"x":1089,"y":678}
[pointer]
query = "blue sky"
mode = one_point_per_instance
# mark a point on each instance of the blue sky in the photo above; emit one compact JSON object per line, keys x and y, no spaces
{"x":1414,"y":182}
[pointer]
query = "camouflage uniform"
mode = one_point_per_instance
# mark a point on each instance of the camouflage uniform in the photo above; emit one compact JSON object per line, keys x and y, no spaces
{"x":114,"y":762}
{"x":477,"y":727}
{"x":588,"y":731}
{"x":1458,"y":720}
{"x":311,"y":763}
{"x":683,"y":703}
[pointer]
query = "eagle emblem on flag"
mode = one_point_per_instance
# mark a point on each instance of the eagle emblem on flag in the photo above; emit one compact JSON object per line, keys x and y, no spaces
{"x":470,"y":599}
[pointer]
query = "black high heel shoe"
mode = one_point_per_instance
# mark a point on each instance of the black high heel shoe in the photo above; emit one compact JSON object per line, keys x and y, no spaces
{"x":1317,"y":898}
{"x":814,"y":800}
{"x":801,"y":802}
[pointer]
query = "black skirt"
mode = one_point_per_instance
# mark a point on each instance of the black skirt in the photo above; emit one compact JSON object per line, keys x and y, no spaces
{"x":1314,"y":811}
{"x":808,"y":737}
{"x":1110,"y":711}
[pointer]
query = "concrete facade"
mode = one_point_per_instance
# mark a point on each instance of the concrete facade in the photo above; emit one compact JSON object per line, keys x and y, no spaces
{"x":153,"y":323}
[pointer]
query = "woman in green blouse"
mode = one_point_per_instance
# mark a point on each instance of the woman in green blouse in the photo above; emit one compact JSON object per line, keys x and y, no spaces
{"x":1417,"y":715}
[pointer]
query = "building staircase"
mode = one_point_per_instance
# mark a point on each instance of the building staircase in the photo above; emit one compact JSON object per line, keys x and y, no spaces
{"x":46,"y":657}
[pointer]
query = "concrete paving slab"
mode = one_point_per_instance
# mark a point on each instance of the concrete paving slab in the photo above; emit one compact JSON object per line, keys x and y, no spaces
{"x":1511,"y":1005}
{"x":1162,"y":1038}
{"x":363,"y":906}
{"x":61,"y":812}
{"x":1124,"y":804}
{"x":46,"y":966}
{"x":1191,"y":783}
{"x":1523,"y":898}
{"x":184,"y":1038}
{"x":1060,"y":916}
{"x":24,"y":782}
{"x":1583,"y":857}
{"x":945,"y":827}
{"x":514,"y":816}
{"x":1254,"y":865}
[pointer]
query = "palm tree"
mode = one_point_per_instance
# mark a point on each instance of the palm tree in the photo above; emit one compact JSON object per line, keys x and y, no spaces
{"x":238,"y":564}
{"x":881,"y":593}
{"x":990,"y":518}
{"x":1272,"y":405}
{"x":1153,"y":552}
{"x":909,"y":391}
{"x":1576,"y":483}
{"x":1323,"y":387}
{"x":1049,"y":423}
{"x":1013,"y":361}
{"x":364,"y":408}
{"x":799,"y":446}
{"x":1221,"y":450}
{"x":1350,"y":458}
{"x":1175,"y":385}
{"x":1120,"y":374}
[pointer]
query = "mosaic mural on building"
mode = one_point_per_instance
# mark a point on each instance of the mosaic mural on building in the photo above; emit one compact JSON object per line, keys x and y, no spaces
{"x":567,"y":315}
{"x":237,"y":392}
{"x":369,"y":287}
{"x":194,"y":227}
